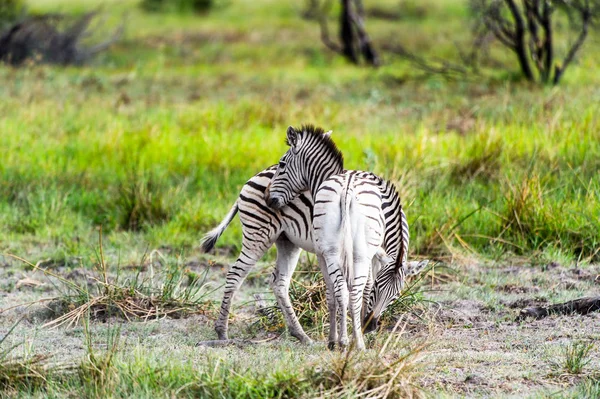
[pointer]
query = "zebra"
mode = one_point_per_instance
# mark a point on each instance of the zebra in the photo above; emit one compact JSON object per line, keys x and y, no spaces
{"x":355,"y":213}
{"x":290,"y":229}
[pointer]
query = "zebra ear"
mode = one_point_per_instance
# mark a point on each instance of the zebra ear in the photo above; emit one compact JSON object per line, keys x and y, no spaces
{"x":328,"y":134}
{"x":415,"y":267}
{"x":292,"y":136}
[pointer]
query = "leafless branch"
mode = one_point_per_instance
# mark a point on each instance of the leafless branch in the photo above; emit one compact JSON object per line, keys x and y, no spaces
{"x":322,"y":18}
{"x":525,"y":27}
{"x":435,"y":66}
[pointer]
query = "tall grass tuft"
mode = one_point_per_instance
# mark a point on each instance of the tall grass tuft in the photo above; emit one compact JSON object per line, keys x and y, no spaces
{"x":577,"y":356}
{"x":170,"y":291}
{"x":389,"y":372}
{"x":144,"y":200}
{"x":97,"y":372}
{"x":20,"y":372}
{"x":483,"y":162}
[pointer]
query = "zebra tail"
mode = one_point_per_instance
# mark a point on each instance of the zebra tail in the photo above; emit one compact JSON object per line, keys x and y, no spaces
{"x":347,"y":255}
{"x":210,"y":239}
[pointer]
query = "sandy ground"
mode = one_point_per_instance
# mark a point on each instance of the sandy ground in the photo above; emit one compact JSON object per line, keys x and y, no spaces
{"x":475,"y":346}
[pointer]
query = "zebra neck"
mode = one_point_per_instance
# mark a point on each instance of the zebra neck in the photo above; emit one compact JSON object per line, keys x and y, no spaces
{"x":320,"y":177}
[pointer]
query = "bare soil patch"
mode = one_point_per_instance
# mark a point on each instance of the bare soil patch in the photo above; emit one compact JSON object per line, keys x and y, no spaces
{"x":476,"y":346}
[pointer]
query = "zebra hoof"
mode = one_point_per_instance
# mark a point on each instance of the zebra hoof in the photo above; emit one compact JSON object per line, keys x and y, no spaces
{"x":331,"y":346}
{"x":343,"y":346}
{"x":303,"y":338}
{"x":306,"y":341}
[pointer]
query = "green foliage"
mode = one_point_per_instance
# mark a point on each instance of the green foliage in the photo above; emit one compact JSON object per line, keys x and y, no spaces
{"x":155,"y":140}
{"x":590,"y":388}
{"x":177,"y":5}
{"x":10,"y":11}
{"x":144,"y":201}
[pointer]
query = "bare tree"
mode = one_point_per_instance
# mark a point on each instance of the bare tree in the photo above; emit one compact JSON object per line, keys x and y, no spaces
{"x":526,"y":27}
{"x":355,"y":42}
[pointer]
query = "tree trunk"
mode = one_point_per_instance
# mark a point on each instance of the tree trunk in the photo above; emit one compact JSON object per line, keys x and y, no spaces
{"x":347,"y":35}
{"x":581,"y":306}
{"x":548,"y":45}
{"x":520,"y":47}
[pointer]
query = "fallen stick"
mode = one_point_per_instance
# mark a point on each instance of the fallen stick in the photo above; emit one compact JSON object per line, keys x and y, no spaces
{"x":582,"y":306}
{"x":218,"y":343}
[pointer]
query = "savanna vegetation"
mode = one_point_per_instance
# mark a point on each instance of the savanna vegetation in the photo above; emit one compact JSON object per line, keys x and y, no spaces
{"x":147,"y":145}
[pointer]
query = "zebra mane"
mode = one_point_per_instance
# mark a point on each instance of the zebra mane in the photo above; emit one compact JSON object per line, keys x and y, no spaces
{"x":319,"y":135}
{"x":399,"y":243}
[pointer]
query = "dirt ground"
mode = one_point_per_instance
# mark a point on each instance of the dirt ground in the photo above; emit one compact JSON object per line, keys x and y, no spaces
{"x":475,"y":347}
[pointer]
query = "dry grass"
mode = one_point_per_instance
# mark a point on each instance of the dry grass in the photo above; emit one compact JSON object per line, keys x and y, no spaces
{"x":20,"y":371}
{"x":389,"y":372}
{"x":173,"y":292}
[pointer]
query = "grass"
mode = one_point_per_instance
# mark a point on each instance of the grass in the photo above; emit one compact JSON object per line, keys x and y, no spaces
{"x":141,"y":372}
{"x":577,"y":356}
{"x":153,"y":140}
{"x":166,"y":289}
{"x":18,"y":372}
{"x":387,"y":372}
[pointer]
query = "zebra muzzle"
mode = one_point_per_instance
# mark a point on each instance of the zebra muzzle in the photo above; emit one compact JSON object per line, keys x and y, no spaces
{"x":274,"y":203}
{"x":370,"y":323}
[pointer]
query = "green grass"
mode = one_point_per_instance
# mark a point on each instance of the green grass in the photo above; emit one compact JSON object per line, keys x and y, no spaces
{"x":577,"y":356}
{"x":153,"y":140}
{"x":123,"y":369}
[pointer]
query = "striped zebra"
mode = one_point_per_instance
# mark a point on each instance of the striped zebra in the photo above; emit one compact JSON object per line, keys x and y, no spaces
{"x":355,"y":214}
{"x":290,"y":229}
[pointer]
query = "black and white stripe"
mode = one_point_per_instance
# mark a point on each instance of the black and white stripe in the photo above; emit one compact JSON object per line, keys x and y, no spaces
{"x":314,"y":163}
{"x":289,"y":228}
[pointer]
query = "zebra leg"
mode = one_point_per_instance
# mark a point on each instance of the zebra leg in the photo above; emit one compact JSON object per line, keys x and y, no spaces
{"x":367,"y":291}
{"x":287,"y":259}
{"x":331,"y":304}
{"x":342,"y":295}
{"x":235,"y":277}
{"x":361,"y":268}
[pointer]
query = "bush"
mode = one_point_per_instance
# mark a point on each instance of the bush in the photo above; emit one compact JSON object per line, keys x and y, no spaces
{"x":177,"y":5}
{"x":10,"y":11}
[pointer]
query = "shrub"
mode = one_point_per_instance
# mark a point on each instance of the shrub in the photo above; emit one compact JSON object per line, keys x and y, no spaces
{"x":10,"y":11}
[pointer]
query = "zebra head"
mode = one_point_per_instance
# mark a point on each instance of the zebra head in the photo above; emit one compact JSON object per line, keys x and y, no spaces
{"x":387,"y":286}
{"x":312,"y":158}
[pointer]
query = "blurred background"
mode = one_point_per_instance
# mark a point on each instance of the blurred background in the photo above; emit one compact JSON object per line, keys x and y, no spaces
{"x":146,"y":118}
